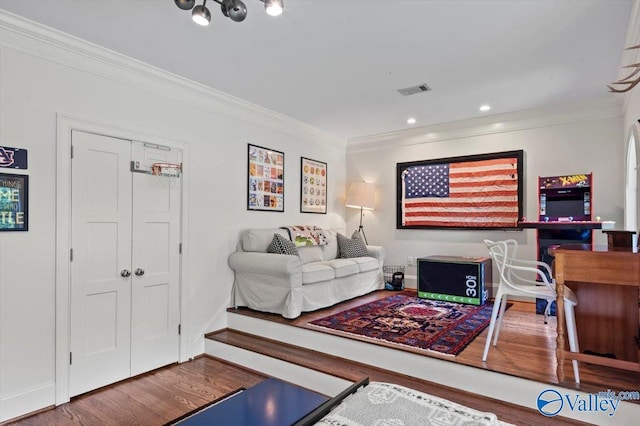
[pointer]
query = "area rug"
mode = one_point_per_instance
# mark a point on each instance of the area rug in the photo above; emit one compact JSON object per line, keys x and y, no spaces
{"x":412,"y":323}
{"x":390,"y":404}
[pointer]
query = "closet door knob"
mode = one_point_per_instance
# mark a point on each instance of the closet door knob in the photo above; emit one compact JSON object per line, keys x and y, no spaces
{"x":125,"y":273}
{"x":139,"y":272}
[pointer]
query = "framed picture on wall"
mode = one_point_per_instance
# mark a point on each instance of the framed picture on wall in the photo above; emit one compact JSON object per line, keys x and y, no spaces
{"x":472,"y":192}
{"x":265,"y":180}
{"x":14,"y":202}
{"x":313,"y":186}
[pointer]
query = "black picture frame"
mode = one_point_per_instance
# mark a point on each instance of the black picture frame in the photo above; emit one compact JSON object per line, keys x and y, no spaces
{"x":313,"y":186}
{"x":14,"y":202}
{"x":265,"y":179}
{"x":486,"y":192}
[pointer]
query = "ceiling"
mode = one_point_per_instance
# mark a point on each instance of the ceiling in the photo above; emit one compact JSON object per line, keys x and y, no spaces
{"x":337,"y":64}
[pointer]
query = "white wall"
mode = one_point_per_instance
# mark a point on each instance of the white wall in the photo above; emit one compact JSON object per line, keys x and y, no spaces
{"x":632,"y":98}
{"x":569,"y":139}
{"x":44,"y":73}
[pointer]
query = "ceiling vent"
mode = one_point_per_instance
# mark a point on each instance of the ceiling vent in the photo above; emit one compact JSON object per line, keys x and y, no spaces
{"x":414,"y":89}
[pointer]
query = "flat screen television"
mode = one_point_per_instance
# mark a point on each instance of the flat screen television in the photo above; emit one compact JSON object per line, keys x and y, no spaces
{"x":565,"y":207}
{"x":572,"y":204}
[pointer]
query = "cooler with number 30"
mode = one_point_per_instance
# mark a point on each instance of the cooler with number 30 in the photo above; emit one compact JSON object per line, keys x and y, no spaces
{"x":455,"y":279}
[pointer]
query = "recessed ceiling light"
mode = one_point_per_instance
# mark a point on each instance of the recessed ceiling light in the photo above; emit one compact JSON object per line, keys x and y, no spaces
{"x":411,"y":121}
{"x":484,"y":108}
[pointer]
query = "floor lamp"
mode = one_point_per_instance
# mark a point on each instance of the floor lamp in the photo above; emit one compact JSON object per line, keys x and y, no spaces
{"x":361,"y":196}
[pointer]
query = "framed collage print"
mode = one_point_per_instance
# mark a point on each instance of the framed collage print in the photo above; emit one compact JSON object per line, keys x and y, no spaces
{"x":313,"y":186}
{"x":265,"y":186}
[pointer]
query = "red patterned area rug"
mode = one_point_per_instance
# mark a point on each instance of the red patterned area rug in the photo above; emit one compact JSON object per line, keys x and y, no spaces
{"x":411,"y":323}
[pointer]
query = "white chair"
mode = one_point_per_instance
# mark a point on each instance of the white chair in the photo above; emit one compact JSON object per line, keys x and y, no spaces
{"x":513,"y":282}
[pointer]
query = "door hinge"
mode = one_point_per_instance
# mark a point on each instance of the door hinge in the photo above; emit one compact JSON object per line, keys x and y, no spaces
{"x":180,"y":248}
{"x":70,"y":255}
{"x":71,"y":151}
{"x":70,"y":358}
{"x":179,"y":329}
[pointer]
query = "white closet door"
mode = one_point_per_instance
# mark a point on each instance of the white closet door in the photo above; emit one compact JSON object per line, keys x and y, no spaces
{"x":101,"y":243}
{"x":156,"y":262}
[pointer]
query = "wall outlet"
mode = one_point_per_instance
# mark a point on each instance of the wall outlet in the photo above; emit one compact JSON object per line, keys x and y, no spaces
{"x":409,"y":261}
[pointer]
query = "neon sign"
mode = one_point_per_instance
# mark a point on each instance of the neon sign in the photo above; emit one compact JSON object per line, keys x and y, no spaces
{"x":14,"y":202}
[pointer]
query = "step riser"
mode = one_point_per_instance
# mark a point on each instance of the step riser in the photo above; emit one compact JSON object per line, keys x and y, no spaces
{"x":301,"y":376}
{"x":494,"y":385}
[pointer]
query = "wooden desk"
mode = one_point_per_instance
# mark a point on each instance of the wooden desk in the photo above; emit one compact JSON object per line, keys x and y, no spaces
{"x":607,"y":285}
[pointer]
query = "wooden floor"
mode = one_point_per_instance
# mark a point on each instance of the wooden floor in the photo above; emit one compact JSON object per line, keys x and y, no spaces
{"x":168,"y":393}
{"x":355,"y":371}
{"x":153,"y":398}
{"x":526,"y":347}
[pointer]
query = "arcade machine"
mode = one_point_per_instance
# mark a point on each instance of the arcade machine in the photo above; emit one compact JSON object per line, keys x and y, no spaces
{"x":565,"y":215}
{"x":565,"y":205}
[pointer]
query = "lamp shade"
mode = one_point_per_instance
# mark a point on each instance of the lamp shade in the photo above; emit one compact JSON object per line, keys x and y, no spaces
{"x":361,"y":195}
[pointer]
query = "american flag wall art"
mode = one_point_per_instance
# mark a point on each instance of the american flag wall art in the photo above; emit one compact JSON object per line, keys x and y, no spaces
{"x":482,"y":191}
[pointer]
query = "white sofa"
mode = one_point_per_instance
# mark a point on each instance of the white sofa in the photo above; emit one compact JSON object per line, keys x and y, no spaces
{"x":289,"y":284}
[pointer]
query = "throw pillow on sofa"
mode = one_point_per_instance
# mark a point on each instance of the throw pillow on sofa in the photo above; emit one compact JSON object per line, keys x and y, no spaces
{"x":281,"y":245}
{"x":351,"y":247}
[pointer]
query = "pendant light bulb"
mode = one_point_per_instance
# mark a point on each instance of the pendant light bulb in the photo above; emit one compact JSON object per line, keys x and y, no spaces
{"x":274,"y":7}
{"x":201,"y":15}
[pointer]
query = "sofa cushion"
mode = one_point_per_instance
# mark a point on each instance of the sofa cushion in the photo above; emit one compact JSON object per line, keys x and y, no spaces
{"x":255,"y":239}
{"x":366,"y":263}
{"x":343,"y":267}
{"x":282,"y":245}
{"x":316,"y":272}
{"x":351,"y":247}
{"x":310,"y":254}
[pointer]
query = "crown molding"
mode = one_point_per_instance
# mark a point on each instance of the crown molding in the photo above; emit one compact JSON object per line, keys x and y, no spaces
{"x":592,"y":109}
{"x":27,"y":36}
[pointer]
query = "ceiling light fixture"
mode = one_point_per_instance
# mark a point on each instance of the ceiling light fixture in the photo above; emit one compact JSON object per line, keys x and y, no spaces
{"x":273,"y":7}
{"x":232,"y":9}
{"x":485,"y":108}
{"x":201,"y":15}
{"x":411,"y":120}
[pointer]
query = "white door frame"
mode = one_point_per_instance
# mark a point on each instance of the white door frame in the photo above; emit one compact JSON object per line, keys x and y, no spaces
{"x":65,"y":124}
{"x":632,"y":180}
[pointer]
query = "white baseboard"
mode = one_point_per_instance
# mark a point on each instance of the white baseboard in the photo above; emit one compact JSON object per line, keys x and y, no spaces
{"x":19,"y":404}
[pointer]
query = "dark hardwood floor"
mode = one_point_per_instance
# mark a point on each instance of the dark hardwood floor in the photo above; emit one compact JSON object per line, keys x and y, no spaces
{"x":526,"y":347}
{"x":153,"y":398}
{"x":354,"y":371}
{"x":165,"y":394}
